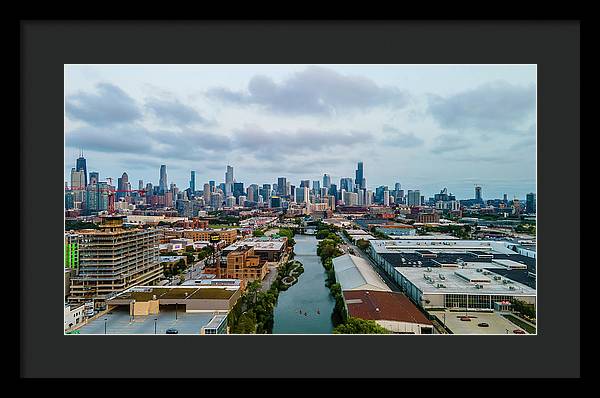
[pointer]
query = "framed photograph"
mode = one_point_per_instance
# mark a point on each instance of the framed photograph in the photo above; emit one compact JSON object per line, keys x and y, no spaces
{"x":317,"y":200}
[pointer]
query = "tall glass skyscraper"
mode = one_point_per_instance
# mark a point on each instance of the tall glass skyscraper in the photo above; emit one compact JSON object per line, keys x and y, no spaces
{"x":360,"y":176}
{"x":326,"y":180}
{"x":81,"y":166}
{"x":193,"y":181}
{"x":162,"y":183}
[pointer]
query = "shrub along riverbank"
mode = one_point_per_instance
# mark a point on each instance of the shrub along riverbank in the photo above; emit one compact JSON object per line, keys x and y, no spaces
{"x":328,"y":249}
{"x":253,"y":312}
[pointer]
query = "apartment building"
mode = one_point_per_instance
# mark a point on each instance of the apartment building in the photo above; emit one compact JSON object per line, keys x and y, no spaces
{"x":113,"y":259}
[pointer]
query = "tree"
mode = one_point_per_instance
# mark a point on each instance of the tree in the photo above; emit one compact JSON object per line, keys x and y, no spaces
{"x":359,"y":326}
{"x":362,"y":244}
{"x":258,"y":233}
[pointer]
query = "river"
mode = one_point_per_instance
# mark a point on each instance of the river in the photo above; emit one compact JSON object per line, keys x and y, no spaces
{"x":309,"y":295}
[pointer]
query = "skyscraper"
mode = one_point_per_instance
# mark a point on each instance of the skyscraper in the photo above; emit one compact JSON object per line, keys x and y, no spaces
{"x":82,"y":166}
{"x":140,"y":185}
{"x":346,"y":184}
{"x":316,"y":187}
{"x":326,"y":180}
{"x":94,"y":177}
{"x":413,"y":198}
{"x":530,"y":205}
{"x":360,"y":175}
{"x":193,"y":181}
{"x":162,"y":183}
{"x":478,"y":194}
{"x":281,"y":185}
{"x":122,"y":185}
{"x":229,"y":175}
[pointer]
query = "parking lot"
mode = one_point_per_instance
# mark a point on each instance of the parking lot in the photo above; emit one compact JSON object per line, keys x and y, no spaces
{"x":118,"y":321}
{"x":497,"y":323}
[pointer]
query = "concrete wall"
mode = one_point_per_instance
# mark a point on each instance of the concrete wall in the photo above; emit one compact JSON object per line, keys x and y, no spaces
{"x":403,"y":327}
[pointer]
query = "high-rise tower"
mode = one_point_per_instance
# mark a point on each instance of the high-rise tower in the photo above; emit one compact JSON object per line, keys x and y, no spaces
{"x":81,"y":166}
{"x":162,"y":183}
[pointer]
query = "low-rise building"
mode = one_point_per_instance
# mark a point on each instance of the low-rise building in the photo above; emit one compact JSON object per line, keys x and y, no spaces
{"x":243,"y":263}
{"x":393,"y":311}
{"x":269,"y":249}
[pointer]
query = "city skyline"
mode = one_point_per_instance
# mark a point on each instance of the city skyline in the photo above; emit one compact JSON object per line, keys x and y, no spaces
{"x":427,"y":127}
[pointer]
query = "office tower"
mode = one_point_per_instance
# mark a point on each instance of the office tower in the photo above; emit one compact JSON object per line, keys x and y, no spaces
{"x":281,"y":185}
{"x":288,"y":188}
{"x":361,"y":197}
{"x":414,"y":198}
{"x":238,"y":189}
{"x":379,"y":193}
{"x":206,"y":193}
{"x":333,"y":190}
{"x":140,"y":185}
{"x":478,"y":194}
{"x":94,"y":177}
{"x":386,"y":197}
{"x":216,"y":200}
{"x":304,"y":183}
{"x":77,"y":184}
{"x":323,"y":191}
{"x":162,"y":179}
{"x":360,"y":175}
{"x":81,"y":165}
{"x":346,"y":184}
{"x":123,"y":185}
{"x":230,"y":201}
{"x":113,"y":259}
{"x":229,"y":175}
{"x":326,"y":180}
{"x":316,"y":187}
{"x":369,"y":198}
{"x":193,"y":181}
{"x":505,"y":198}
{"x":241,"y":199}
{"x":530,"y":204}
{"x":212,"y":185}
{"x":275,"y":202}
{"x":149,"y":188}
{"x":292,"y":191}
{"x":350,"y":198}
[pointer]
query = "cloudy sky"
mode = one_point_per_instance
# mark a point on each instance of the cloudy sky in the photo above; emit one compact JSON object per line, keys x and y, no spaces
{"x":427,"y":127}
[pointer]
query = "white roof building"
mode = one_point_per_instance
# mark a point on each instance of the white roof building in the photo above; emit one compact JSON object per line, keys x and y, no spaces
{"x":356,"y":273}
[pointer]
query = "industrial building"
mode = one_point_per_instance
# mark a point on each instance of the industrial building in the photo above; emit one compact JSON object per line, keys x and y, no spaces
{"x":355,"y":273}
{"x":471,"y":274}
{"x":393,"y":311}
{"x":112,"y":259}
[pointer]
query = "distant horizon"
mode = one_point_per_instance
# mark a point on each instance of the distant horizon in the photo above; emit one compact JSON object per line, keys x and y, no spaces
{"x":427,"y":127}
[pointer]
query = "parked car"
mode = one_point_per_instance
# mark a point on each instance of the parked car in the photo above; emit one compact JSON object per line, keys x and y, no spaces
{"x":518,"y":331}
{"x":465,"y":318}
{"x":483,"y":324}
{"x":172,"y":331}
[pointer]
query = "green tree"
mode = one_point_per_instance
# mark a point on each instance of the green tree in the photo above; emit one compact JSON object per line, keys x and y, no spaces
{"x":258,"y":233}
{"x":359,"y":326}
{"x":362,"y":244}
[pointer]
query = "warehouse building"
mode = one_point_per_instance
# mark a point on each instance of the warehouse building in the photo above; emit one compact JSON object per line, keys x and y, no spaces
{"x":355,"y":273}
{"x":469,"y":274}
{"x":393,"y":311}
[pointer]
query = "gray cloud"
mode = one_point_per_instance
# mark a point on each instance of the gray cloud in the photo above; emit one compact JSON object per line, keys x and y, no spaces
{"x":449,"y":143}
{"x":108,"y":106}
{"x":136,"y":140}
{"x":174,"y":112}
{"x":314,"y":91}
{"x":254,"y":138}
{"x":401,"y":139}
{"x":497,"y":106}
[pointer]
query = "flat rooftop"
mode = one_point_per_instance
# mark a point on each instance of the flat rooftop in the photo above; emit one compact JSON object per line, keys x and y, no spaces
{"x":458,"y":281}
{"x":259,"y":244}
{"x":497,"y":323}
{"x":118,"y":321}
{"x":146,"y":293}
{"x":353,"y":272}
{"x":439,"y":245}
{"x":376,"y":305}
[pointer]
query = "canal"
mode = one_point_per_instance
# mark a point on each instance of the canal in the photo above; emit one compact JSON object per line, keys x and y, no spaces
{"x":309,"y":295}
